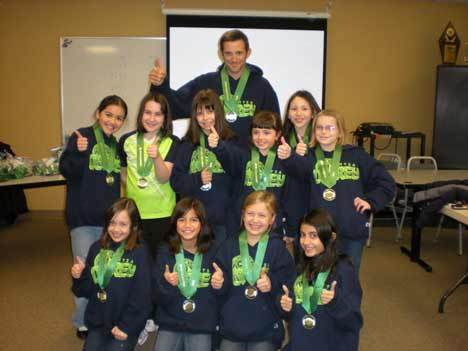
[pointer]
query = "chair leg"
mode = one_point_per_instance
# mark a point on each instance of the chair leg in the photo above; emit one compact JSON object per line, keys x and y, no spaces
{"x":397,"y":224}
{"x":439,"y":228}
{"x":402,"y":220}
{"x":405,"y":209}
{"x":371,"y":223}
{"x":460,"y":238}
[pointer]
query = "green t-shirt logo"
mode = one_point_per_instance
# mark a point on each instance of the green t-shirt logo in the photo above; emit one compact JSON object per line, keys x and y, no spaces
{"x":346,"y":171}
{"x":124,"y":269}
{"x":205,"y":274}
{"x":210,"y":160}
{"x":95,"y":159}
{"x":275,"y":180}
{"x":238,"y":278}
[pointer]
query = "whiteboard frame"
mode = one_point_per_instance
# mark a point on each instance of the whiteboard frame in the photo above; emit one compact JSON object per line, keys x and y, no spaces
{"x":61,"y":43}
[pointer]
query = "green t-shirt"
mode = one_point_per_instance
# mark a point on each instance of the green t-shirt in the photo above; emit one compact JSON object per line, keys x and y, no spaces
{"x":156,"y":200}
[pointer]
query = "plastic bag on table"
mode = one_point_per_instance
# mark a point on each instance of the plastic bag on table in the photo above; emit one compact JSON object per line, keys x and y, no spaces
{"x":14,"y":167}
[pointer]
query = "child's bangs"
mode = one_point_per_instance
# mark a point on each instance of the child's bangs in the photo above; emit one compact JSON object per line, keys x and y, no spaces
{"x":206,"y":103}
{"x":265,"y":120}
{"x":263,"y":125}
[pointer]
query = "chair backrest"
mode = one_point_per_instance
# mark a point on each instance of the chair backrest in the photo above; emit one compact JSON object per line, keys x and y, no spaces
{"x":421,"y":162}
{"x":389,"y":160}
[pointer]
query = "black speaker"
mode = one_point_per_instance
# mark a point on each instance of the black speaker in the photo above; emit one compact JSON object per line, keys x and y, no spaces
{"x":450,"y":134}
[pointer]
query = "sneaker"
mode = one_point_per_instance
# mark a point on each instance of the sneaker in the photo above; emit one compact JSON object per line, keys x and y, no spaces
{"x":150,"y":326}
{"x":142,"y":337}
{"x":82,"y":332}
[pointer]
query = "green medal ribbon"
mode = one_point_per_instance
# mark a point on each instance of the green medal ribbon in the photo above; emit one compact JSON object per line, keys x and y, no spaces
{"x":231,"y":101}
{"x":252,"y":274}
{"x":310,"y":301}
{"x":105,"y":270}
{"x":260,"y":180}
{"x":143,"y":167}
{"x":202,"y":152}
{"x":107,"y":155}
{"x":188,"y":282}
{"x":305,"y":139}
{"x":328,"y":171}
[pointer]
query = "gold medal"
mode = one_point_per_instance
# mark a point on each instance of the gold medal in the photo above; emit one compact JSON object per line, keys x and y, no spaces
{"x":251,"y":292}
{"x":189,"y":306}
{"x":110,"y":179}
{"x":308,"y":321}
{"x":102,"y":295}
{"x":142,"y":183}
{"x":329,"y":194}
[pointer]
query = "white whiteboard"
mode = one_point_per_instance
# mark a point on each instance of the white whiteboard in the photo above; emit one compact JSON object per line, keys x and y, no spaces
{"x":92,"y":68}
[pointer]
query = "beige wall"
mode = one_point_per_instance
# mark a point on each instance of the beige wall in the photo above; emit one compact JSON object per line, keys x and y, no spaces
{"x":381,"y":60}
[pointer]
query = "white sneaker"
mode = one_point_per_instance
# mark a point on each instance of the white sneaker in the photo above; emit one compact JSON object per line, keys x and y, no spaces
{"x":150,"y":326}
{"x":142,"y":337}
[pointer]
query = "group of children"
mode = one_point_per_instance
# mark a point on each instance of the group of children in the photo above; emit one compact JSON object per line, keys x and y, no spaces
{"x":218,"y":265}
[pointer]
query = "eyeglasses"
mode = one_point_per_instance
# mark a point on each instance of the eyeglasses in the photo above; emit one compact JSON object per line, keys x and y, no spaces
{"x":327,"y":128}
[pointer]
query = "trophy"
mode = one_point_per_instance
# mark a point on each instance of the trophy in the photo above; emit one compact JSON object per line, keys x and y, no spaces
{"x":449,"y":44}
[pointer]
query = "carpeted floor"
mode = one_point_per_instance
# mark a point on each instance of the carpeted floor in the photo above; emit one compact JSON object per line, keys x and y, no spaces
{"x":399,"y":306}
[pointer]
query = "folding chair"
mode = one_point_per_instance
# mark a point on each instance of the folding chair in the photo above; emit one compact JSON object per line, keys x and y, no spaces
{"x":415,"y":163}
{"x":390,"y":161}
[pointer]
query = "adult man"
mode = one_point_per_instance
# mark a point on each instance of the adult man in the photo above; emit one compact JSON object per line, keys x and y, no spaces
{"x":240,"y":85}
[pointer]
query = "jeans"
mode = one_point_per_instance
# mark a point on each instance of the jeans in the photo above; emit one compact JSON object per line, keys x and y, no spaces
{"x":219,"y":233}
{"x":353,"y":249}
{"x":180,"y":341}
{"x":98,"y":340}
{"x":227,"y":345}
{"x":81,"y":240}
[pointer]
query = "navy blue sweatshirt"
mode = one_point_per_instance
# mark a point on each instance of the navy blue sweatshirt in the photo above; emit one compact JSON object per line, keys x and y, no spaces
{"x":244,"y":320}
{"x":360,"y":175}
{"x":337,"y":323}
{"x":88,"y":194}
{"x":170,"y":315}
{"x":297,"y":204}
{"x":128,"y":302}
{"x":186,"y":177}
{"x":258,"y":95}
{"x":279,"y":185}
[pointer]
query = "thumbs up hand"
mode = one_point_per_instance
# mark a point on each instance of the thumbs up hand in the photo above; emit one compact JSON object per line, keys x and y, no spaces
{"x":284,"y":150}
{"x":158,"y":73}
{"x":81,"y":142}
{"x":286,"y":300}
{"x":328,"y":295}
{"x":153,"y":151}
{"x":77,"y":268}
{"x":264,"y":283}
{"x":171,"y":278}
{"x":213,"y":138}
{"x":301,"y":147}
{"x":217,"y":278}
